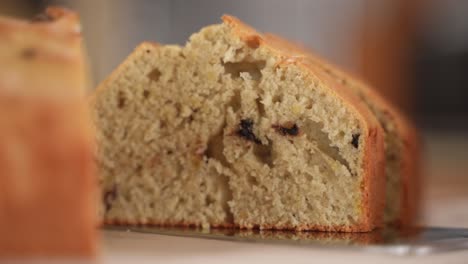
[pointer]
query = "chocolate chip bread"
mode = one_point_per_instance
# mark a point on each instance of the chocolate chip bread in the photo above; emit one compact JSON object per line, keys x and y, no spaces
{"x":231,"y":130}
{"x":47,"y":176}
{"x":401,"y":141}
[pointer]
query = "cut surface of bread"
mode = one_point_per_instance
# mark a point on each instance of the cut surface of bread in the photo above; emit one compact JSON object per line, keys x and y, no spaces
{"x":229,"y":130}
{"x":47,"y":176}
{"x":401,"y":143}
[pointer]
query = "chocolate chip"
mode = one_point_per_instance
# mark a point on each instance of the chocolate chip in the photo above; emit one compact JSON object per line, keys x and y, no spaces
{"x":355,"y":140}
{"x":109,"y":197}
{"x":292,"y":130}
{"x":246,"y":131}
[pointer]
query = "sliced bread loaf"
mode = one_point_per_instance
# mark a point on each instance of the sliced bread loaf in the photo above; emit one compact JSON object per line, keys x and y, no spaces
{"x":47,"y":182}
{"x":230,"y":130}
{"x":401,"y":141}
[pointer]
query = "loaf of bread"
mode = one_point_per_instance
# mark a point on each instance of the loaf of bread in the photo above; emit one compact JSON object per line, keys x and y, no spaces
{"x":234,"y":130}
{"x":48,"y":185}
{"x":401,"y":141}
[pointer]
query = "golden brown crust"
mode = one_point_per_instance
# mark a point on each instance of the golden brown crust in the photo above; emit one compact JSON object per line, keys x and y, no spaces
{"x":373,"y":184}
{"x":54,"y":46}
{"x":47,"y":183}
{"x":411,"y":176}
{"x":62,"y":26}
{"x":410,"y":167}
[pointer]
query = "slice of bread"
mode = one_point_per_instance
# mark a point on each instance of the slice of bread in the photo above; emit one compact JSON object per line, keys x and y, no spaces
{"x":230,"y":130}
{"x":47,"y":175}
{"x":401,"y":141}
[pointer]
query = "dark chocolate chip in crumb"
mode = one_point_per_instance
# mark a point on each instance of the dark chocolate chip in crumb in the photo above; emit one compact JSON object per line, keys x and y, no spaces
{"x":109,"y":197}
{"x":287,"y":130}
{"x":246,"y":131}
{"x":355,"y":140}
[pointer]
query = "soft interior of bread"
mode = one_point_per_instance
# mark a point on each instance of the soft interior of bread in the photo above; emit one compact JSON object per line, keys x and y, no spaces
{"x":221,"y":132}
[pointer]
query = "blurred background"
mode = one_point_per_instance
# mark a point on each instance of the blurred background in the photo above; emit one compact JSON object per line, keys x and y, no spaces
{"x":415,"y":52}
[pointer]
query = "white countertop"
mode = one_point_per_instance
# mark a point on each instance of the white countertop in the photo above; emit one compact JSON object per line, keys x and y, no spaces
{"x":129,"y":247}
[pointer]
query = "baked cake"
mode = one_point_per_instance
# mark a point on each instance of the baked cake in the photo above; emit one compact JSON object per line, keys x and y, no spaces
{"x":232,"y":130}
{"x":47,"y":180}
